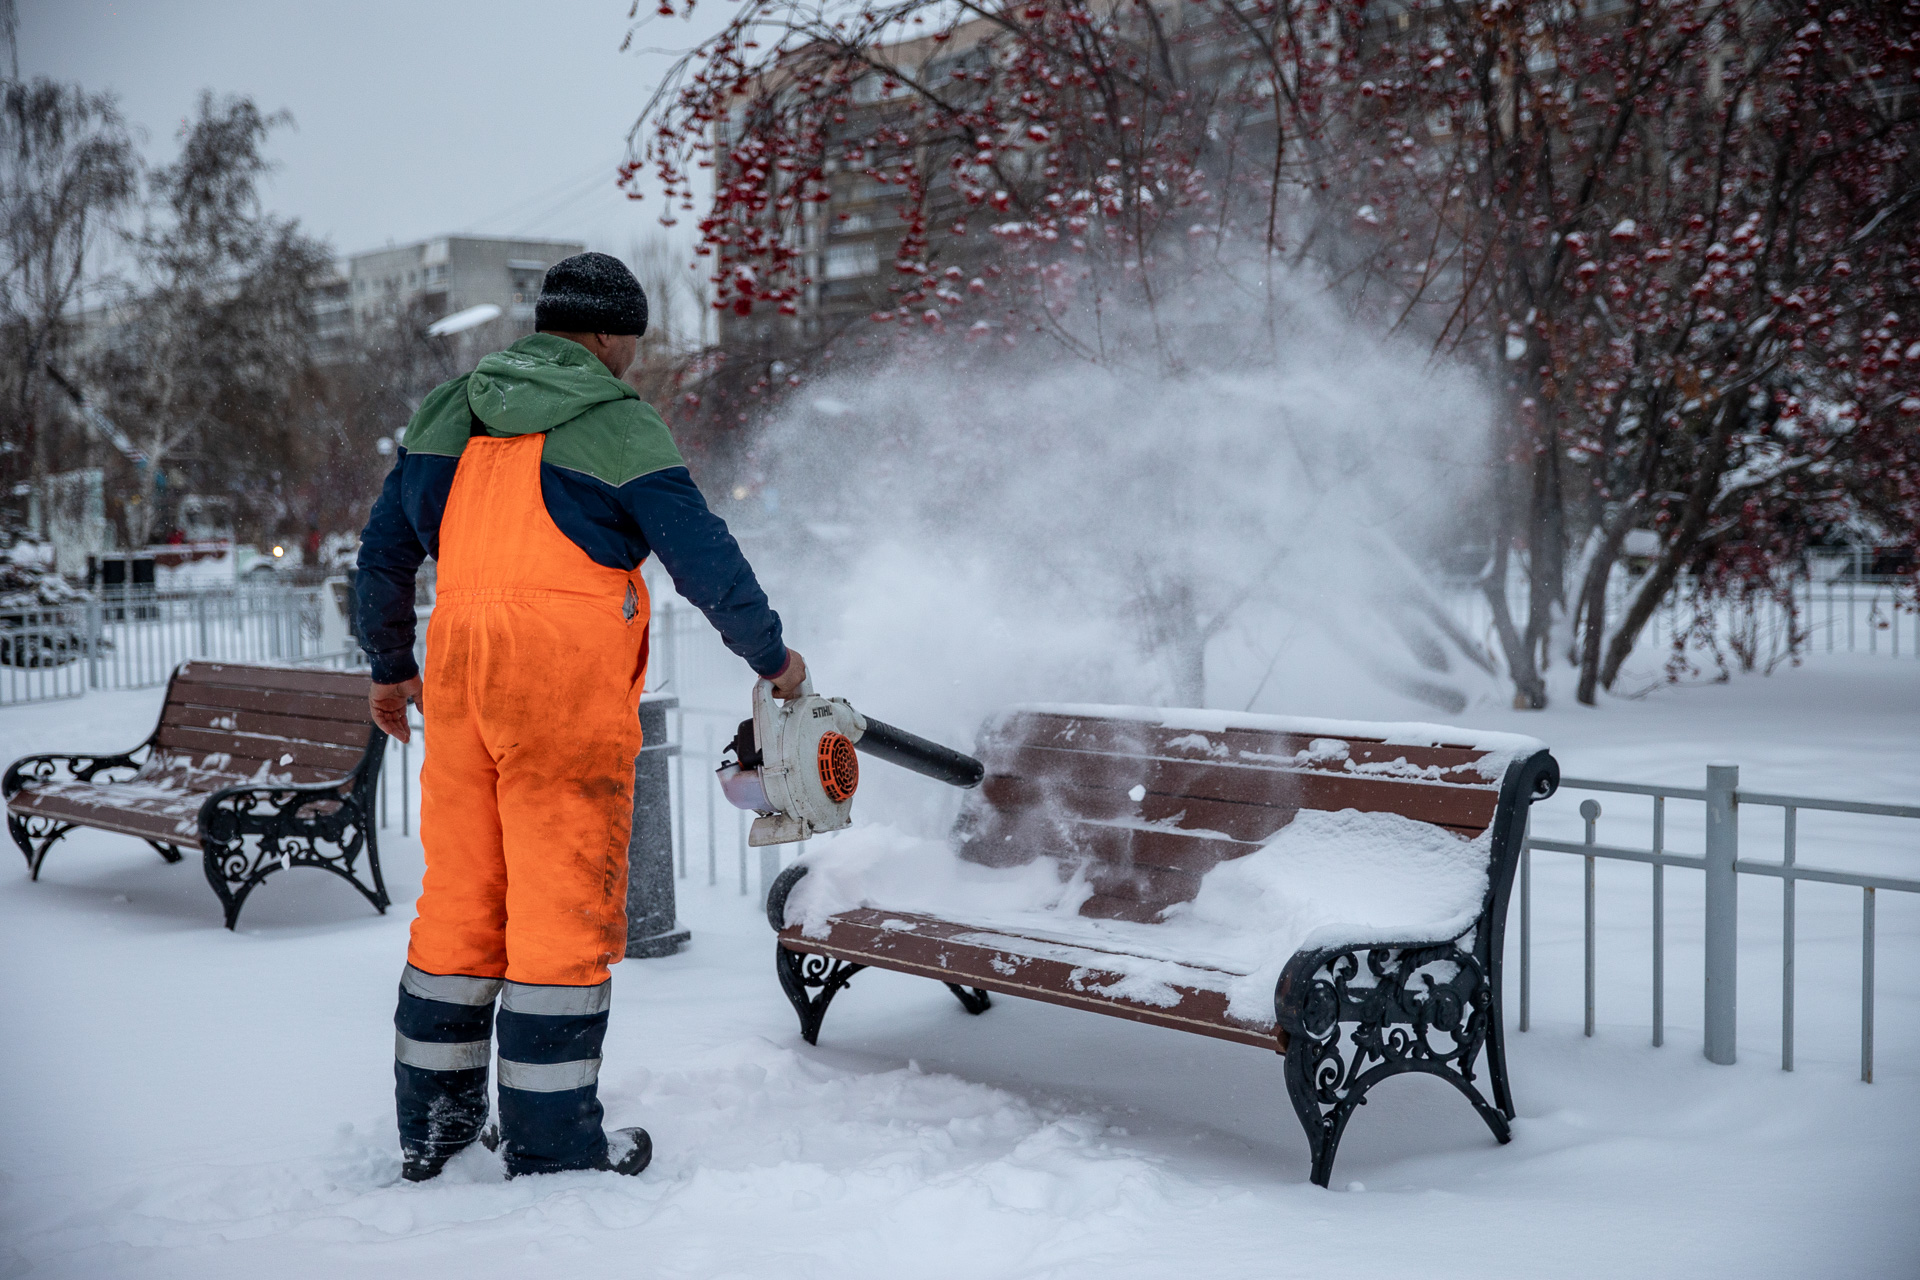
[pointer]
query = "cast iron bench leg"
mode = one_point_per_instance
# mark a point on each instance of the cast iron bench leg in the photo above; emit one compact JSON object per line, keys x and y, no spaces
{"x":248,"y":833}
{"x":167,"y":852}
{"x":974,"y":1000}
{"x":801,"y":971}
{"x":35,"y":835}
{"x":1405,"y":1016}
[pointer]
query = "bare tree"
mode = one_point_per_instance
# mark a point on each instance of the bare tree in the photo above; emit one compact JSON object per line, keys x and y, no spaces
{"x":219,"y":324}
{"x":68,"y":171}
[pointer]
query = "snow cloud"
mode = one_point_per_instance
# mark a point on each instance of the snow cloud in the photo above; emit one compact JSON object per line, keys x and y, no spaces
{"x":1007,"y":528}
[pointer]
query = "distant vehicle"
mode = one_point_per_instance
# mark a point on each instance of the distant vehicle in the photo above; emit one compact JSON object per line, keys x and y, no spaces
{"x":37,"y":619}
{"x":253,"y":563}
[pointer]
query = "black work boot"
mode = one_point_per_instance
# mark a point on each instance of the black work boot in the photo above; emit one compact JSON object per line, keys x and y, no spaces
{"x":443,"y":1040}
{"x":629,"y":1151}
{"x":423,"y":1162}
{"x":550,"y":1038}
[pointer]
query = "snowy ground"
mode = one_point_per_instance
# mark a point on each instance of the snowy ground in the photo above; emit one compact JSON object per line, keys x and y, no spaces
{"x":181,"y":1101}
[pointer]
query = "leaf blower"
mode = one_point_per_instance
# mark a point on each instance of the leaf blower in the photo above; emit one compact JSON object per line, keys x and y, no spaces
{"x":793,"y":763}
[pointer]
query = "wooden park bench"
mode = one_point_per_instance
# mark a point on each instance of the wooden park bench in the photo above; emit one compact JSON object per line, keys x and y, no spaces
{"x":259,"y":768}
{"x":1143,"y":804}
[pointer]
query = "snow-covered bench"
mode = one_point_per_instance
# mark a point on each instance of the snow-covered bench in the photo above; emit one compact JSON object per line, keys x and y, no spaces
{"x":259,"y":768}
{"x":1333,"y":891}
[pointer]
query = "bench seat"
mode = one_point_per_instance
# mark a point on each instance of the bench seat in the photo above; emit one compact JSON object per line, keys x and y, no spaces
{"x":1055,"y":969}
{"x":257,"y":768}
{"x":1331,"y":891}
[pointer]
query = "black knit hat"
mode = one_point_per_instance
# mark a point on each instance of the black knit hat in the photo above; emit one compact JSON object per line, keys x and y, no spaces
{"x":590,"y":293}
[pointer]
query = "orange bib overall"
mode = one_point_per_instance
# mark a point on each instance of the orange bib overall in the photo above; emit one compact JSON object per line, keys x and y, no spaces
{"x":536,"y":657}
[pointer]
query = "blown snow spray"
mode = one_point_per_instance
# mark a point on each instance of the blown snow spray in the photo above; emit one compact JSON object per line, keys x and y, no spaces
{"x":794,"y":762}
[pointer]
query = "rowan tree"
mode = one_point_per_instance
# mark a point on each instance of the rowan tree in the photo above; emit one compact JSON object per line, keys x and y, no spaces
{"x":1676,"y":236}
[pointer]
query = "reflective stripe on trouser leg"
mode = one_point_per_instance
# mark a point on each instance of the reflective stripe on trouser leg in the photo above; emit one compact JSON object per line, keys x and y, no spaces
{"x":443,"y":1038}
{"x":550,"y":1039}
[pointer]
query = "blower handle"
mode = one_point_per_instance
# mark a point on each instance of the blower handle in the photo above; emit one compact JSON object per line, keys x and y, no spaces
{"x":910,"y":751}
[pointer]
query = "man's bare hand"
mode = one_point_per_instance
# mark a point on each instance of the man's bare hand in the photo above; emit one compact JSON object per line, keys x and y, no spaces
{"x":787,"y":684}
{"x":388,"y":702}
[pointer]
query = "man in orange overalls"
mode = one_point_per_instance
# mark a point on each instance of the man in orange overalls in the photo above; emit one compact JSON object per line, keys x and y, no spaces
{"x":541,"y":483}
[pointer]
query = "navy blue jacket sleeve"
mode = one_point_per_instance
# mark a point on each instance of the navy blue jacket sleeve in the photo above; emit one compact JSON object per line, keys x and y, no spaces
{"x":390,"y":556}
{"x":706,"y":564}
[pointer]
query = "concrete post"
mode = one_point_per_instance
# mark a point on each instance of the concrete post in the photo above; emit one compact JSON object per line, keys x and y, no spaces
{"x":652,"y":927}
{"x":1723,"y":898}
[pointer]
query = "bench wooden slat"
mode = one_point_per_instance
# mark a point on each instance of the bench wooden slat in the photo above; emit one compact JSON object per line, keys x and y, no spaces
{"x":310,"y":762}
{"x":311,"y":680}
{"x":332,"y":733}
{"x":1011,"y":838}
{"x":1138,"y":738}
{"x":1242,"y":784}
{"x":317,"y":706}
{"x":1156,"y":886}
{"x":171,"y":821}
{"x":1108,"y":906}
{"x":1277,"y":784}
{"x":1249,"y":822}
{"x":1467,"y":810}
{"x":965,"y":954}
{"x":1467,"y":807}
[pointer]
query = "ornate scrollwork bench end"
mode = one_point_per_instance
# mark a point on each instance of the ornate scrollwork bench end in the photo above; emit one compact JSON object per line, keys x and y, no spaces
{"x":35,"y":834}
{"x":802,"y":973}
{"x":249,"y":832}
{"x":1358,"y":1015}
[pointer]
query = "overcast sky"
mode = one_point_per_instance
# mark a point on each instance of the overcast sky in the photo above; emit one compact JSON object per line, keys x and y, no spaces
{"x":412,"y":118}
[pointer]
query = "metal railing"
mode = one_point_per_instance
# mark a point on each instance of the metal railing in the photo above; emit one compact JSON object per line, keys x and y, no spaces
{"x":133,"y":639}
{"x":1722,"y":866}
{"x":1850,"y":614}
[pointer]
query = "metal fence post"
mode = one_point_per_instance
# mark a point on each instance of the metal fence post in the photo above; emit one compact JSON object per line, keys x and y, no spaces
{"x":769,"y":867}
{"x":713,"y":845}
{"x":1722,"y":932}
{"x":406,"y":784}
{"x":1526,"y":928}
{"x":1791,"y":820}
{"x":1866,"y":984}
{"x":1659,"y":923}
{"x":1590,"y":813}
{"x":95,"y":623}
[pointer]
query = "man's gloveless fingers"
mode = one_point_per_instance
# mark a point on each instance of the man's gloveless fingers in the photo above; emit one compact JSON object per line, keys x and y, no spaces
{"x":388,"y":705}
{"x":788,"y":682}
{"x":393,"y":724}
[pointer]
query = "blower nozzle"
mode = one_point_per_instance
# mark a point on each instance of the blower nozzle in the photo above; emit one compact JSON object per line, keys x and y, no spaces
{"x":911,"y":751}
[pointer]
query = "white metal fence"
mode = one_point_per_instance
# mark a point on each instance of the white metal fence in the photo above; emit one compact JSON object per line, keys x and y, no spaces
{"x":1722,"y":801}
{"x":1849,"y":614}
{"x":134,"y":639}
{"x":713,"y":685}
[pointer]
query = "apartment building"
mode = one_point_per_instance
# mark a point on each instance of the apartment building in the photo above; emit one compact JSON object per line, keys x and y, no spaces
{"x":450,"y":274}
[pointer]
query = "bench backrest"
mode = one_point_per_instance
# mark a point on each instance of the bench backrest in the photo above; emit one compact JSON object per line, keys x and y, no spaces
{"x":304,"y":725}
{"x":1064,"y":783}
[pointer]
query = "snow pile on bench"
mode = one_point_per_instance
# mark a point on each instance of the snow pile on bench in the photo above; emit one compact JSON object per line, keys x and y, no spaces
{"x":1325,"y":879}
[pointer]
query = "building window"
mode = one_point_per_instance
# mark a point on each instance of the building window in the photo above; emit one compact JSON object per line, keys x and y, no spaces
{"x":845,"y":261}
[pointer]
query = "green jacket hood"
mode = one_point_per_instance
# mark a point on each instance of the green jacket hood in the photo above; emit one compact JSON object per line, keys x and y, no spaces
{"x":539,"y":383}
